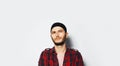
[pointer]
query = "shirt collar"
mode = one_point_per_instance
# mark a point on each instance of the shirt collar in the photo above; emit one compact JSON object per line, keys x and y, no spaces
{"x":67,"y":51}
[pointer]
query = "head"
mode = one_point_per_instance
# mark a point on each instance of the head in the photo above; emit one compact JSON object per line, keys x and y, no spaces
{"x":58,"y":33}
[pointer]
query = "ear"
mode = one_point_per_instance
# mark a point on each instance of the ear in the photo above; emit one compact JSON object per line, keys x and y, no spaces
{"x":50,"y":35}
{"x":66,"y":35}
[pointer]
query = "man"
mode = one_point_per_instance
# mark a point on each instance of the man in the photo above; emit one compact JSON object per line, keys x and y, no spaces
{"x":60,"y":55}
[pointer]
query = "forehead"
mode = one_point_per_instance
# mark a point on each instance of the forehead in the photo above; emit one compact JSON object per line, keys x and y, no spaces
{"x":57,"y":28}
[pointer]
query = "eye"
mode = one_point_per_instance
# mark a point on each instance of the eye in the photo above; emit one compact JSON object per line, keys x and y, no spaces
{"x":53,"y":32}
{"x":60,"y":31}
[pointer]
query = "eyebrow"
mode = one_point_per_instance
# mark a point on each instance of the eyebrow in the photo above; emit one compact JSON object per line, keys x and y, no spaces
{"x":58,"y":30}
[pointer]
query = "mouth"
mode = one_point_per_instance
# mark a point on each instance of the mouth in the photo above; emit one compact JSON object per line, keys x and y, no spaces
{"x":58,"y":39}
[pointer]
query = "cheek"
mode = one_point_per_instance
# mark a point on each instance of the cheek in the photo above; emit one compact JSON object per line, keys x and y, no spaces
{"x":52,"y":36}
{"x":62,"y":35}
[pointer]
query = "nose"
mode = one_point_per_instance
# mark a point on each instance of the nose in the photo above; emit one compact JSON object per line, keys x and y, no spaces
{"x":57,"y":34}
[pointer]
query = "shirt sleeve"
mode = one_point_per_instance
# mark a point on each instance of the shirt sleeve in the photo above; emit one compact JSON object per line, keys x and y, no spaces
{"x":79,"y":60}
{"x":43,"y":59}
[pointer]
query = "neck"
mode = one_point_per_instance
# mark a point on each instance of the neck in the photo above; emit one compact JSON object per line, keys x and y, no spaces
{"x":60,"y":49}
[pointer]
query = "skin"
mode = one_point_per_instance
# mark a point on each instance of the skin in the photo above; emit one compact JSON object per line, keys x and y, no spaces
{"x":59,"y":36}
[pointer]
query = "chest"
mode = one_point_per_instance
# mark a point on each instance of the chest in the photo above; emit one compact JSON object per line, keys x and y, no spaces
{"x":60,"y":58}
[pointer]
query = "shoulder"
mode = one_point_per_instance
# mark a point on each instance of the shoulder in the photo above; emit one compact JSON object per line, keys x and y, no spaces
{"x":74,"y":51}
{"x":46,"y":51}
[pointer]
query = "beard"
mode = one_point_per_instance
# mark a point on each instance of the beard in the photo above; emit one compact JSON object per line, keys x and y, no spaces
{"x":60,"y":43}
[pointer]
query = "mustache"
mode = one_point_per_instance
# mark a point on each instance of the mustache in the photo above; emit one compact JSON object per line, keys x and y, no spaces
{"x":58,"y":37}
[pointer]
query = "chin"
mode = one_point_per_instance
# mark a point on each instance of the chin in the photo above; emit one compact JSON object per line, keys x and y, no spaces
{"x":58,"y":41}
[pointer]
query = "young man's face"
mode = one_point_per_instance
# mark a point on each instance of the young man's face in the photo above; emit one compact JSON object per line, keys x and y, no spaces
{"x":58,"y":35}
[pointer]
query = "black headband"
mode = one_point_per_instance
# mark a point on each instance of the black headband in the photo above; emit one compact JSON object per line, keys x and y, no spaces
{"x":59,"y":24}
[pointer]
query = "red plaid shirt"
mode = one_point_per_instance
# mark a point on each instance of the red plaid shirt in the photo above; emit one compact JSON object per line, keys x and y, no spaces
{"x":49,"y":58}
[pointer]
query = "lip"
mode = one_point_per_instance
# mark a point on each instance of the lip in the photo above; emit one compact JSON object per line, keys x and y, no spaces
{"x":57,"y":38}
{"x":57,"y":41}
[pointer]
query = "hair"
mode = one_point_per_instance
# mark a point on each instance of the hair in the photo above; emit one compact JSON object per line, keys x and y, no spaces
{"x":60,"y":25}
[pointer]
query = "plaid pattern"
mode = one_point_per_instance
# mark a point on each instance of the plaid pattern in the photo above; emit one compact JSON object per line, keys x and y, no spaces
{"x":49,"y":58}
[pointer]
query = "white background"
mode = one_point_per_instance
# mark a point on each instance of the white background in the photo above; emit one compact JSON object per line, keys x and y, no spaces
{"x":93,"y":26}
